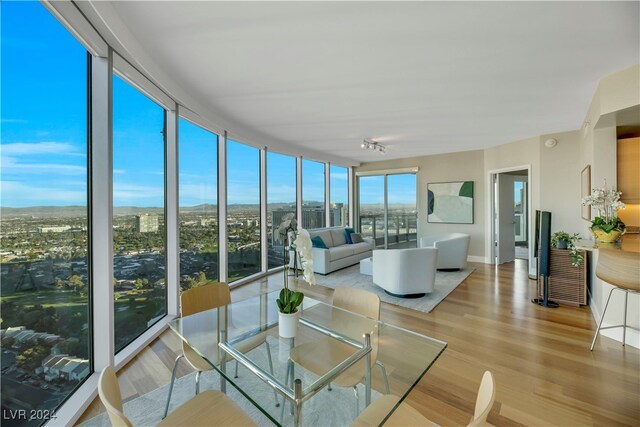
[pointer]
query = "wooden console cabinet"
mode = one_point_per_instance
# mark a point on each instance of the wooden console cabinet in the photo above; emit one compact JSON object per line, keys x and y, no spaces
{"x":567,"y":284}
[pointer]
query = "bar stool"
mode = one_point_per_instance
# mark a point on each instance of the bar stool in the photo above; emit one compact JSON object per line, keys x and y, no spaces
{"x":622,"y":270}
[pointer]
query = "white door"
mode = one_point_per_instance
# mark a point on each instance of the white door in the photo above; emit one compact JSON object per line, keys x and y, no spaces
{"x":505,"y":224}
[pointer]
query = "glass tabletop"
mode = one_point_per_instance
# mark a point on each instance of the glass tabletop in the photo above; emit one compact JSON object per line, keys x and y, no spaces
{"x":337,"y":364}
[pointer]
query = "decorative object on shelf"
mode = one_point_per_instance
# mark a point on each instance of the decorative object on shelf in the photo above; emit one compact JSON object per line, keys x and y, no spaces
{"x":606,"y":227}
{"x":450,"y":202}
{"x":564,"y":240}
{"x":297,"y":239}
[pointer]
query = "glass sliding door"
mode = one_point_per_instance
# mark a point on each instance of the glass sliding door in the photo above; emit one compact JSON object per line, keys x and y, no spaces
{"x":313,"y":195}
{"x":198,"y":206}
{"x":371,"y":207}
{"x":44,"y":263}
{"x":281,"y":201}
{"x":139,"y":235}
{"x":387,"y":206}
{"x":243,"y":210}
{"x":339,"y":190}
{"x":402,"y":214}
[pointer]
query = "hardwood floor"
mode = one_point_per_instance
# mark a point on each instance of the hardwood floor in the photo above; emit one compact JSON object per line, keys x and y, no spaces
{"x":540,"y":357}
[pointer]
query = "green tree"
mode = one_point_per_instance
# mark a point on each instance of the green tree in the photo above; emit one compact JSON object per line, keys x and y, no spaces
{"x":32,"y":357}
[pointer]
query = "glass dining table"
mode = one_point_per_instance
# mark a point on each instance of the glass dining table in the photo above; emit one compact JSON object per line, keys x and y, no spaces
{"x":338,"y":363}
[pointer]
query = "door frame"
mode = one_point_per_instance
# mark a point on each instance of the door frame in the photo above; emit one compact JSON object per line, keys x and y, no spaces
{"x":490,"y":247}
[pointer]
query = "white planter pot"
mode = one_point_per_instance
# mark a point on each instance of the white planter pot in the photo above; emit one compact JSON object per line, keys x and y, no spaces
{"x":288,"y":324}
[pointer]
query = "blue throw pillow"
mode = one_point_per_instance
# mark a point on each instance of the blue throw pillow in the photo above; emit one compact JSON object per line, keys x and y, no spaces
{"x":347,"y":234}
{"x":317,"y":242}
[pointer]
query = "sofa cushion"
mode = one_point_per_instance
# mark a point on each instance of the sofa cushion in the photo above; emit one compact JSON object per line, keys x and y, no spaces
{"x":347,"y":234}
{"x":317,"y":242}
{"x":325,"y":234}
{"x":359,"y":248}
{"x":338,"y":237}
{"x":339,"y":252}
{"x":356,"y":238}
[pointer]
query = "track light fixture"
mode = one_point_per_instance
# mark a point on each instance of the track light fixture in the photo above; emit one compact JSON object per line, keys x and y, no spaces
{"x":372,"y":145}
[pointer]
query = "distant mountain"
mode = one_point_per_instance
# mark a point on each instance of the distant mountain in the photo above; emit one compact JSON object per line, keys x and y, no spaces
{"x":44,"y":211}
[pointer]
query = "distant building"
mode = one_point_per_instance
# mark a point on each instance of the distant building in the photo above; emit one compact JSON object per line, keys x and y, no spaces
{"x":60,"y":229}
{"x":313,"y":216}
{"x":146,"y":223}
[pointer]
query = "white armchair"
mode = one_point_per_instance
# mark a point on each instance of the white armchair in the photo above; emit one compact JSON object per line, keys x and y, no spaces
{"x":405,"y":273}
{"x":453,"y":249}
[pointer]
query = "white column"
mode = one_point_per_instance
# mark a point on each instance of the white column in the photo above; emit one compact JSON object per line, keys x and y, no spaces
{"x":327,"y":194}
{"x":299,"y":189}
{"x":102,"y":211}
{"x":351,"y":197}
{"x":264,"y":244}
{"x":172,"y":220}
{"x":222,"y":208}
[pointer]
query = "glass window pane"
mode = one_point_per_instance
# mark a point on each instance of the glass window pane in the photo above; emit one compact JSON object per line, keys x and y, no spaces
{"x":281,"y":200}
{"x":339,"y":182}
{"x":313,"y":214}
{"x":44,"y":238}
{"x":138,"y":212}
{"x":371,"y":203}
{"x":243,"y":210}
{"x":198,"y":151}
{"x":402,"y":214}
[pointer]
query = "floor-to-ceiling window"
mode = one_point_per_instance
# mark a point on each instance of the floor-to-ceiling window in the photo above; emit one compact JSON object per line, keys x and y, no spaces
{"x":139,"y":235}
{"x":371,"y":208}
{"x":243,"y":210}
{"x":402,"y":214}
{"x":339,"y":185}
{"x":388,"y":209}
{"x":281,"y":201}
{"x":198,"y":205}
{"x":313,"y":195}
{"x":44,"y":192}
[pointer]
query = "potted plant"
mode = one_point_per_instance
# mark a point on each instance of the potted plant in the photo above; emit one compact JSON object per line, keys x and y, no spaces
{"x":289,"y":300}
{"x":564,"y":240}
{"x":606,"y":227}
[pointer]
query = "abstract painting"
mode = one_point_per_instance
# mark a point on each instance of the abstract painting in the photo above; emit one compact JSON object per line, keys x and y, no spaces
{"x":450,"y":202}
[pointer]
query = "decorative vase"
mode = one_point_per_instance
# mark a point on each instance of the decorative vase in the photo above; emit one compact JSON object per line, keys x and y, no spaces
{"x":603,"y":236}
{"x":288,"y":324}
{"x":561,"y":244}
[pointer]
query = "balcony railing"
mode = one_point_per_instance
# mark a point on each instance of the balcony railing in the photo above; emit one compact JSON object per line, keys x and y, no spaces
{"x":401,"y":229}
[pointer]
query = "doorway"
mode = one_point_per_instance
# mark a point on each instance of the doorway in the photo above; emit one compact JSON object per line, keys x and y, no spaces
{"x":511,"y":215}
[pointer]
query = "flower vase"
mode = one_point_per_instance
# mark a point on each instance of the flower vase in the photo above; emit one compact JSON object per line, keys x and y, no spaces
{"x":604,"y":237}
{"x":288,"y":324}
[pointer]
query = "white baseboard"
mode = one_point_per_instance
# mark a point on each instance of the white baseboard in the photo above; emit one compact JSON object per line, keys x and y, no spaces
{"x":482,"y":259}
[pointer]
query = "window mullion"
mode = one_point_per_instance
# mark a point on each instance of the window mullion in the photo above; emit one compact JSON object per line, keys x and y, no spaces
{"x":102,"y":212}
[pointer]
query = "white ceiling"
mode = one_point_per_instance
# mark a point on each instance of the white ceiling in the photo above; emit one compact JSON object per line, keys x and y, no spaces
{"x":420,"y":77}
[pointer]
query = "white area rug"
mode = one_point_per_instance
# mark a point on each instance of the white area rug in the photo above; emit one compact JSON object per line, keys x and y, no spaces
{"x":327,"y":408}
{"x":446,"y":282}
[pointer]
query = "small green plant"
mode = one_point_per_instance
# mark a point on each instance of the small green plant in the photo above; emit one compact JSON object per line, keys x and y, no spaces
{"x":289,"y":301}
{"x":562,"y":239}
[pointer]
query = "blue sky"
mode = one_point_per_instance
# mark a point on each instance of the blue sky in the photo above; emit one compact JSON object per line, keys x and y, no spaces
{"x":44,"y":127}
{"x":43,"y":144}
{"x":402,"y":189}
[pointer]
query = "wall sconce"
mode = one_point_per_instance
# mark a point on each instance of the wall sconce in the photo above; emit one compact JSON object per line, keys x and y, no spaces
{"x":372,"y":145}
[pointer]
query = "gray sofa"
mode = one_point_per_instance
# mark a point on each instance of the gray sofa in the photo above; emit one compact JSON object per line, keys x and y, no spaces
{"x":339,"y":254}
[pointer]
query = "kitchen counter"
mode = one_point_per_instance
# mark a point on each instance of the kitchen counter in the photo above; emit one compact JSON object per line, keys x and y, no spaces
{"x":628,"y":243}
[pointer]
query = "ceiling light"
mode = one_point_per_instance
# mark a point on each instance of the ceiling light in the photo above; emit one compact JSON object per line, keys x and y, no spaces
{"x":374,"y":146}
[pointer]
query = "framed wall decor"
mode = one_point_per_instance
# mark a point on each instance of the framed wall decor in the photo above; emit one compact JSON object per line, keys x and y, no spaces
{"x":585,"y":190}
{"x":450,"y":202}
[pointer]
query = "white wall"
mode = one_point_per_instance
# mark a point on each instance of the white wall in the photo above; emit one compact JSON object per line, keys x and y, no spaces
{"x":463,"y":166}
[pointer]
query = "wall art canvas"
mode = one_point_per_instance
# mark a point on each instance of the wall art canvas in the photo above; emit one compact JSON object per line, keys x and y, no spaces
{"x":450,"y":202}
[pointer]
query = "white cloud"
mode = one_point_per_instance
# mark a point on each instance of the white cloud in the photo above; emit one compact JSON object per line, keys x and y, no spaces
{"x":45,"y":147}
{"x":10,"y":165}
